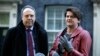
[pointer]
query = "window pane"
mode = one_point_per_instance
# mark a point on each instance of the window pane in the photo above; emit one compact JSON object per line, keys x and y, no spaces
{"x":50,"y":14}
{"x":58,"y":14}
{"x":50,"y":46}
{"x":50,"y":25}
{"x":4,"y":18}
{"x":55,"y":34}
{"x":64,"y":24}
{"x":58,"y":24}
{"x":51,"y":36}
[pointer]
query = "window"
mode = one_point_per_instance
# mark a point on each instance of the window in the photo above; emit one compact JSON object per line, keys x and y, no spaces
{"x":4,"y":19}
{"x":54,"y":21}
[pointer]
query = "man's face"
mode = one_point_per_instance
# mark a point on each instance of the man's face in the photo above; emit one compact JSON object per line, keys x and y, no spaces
{"x":71,"y":20}
{"x":28,"y":17}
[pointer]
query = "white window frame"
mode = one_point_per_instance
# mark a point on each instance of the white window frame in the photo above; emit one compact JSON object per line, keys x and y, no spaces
{"x":12,"y":10}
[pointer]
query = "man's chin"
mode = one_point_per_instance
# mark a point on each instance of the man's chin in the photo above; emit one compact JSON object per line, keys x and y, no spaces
{"x":29,"y":26}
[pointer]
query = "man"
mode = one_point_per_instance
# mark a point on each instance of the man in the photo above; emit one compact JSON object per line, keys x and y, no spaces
{"x":27,"y":38}
{"x":73,"y":40}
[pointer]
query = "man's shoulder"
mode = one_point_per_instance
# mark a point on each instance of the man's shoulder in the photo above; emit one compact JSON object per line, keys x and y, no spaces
{"x":13,"y":29}
{"x":39,"y":28}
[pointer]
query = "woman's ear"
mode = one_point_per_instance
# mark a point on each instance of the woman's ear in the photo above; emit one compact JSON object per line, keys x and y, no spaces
{"x":79,"y":21}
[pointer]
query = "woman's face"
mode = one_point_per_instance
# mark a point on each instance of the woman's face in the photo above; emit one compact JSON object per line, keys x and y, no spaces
{"x":71,"y":20}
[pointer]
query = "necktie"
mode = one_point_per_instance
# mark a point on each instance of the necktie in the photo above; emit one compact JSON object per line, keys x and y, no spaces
{"x":29,"y":43}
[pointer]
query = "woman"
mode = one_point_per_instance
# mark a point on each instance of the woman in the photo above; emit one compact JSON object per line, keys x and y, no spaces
{"x":73,"y":40}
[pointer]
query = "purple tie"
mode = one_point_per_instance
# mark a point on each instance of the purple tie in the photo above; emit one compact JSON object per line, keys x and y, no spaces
{"x":29,"y":43}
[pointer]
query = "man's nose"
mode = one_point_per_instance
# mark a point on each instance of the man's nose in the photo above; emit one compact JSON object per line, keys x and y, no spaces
{"x":29,"y":17}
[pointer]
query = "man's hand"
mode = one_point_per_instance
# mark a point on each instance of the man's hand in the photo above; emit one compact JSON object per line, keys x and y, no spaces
{"x":66,"y":43}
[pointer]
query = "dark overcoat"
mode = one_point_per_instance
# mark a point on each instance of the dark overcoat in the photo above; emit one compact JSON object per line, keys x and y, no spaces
{"x":15,"y":41}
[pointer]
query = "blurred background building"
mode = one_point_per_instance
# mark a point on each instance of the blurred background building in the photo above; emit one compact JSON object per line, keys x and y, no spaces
{"x":50,"y":15}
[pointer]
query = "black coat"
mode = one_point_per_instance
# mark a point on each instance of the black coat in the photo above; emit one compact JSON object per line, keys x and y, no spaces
{"x":15,"y":41}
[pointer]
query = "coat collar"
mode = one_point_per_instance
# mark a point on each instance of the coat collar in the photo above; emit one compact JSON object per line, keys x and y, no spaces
{"x":76,"y":32}
{"x":22,"y":27}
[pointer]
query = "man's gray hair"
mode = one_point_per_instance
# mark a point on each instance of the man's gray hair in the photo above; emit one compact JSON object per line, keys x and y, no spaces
{"x":27,"y":6}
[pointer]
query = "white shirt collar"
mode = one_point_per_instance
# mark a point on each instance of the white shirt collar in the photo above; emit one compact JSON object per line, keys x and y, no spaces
{"x":30,"y":28}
